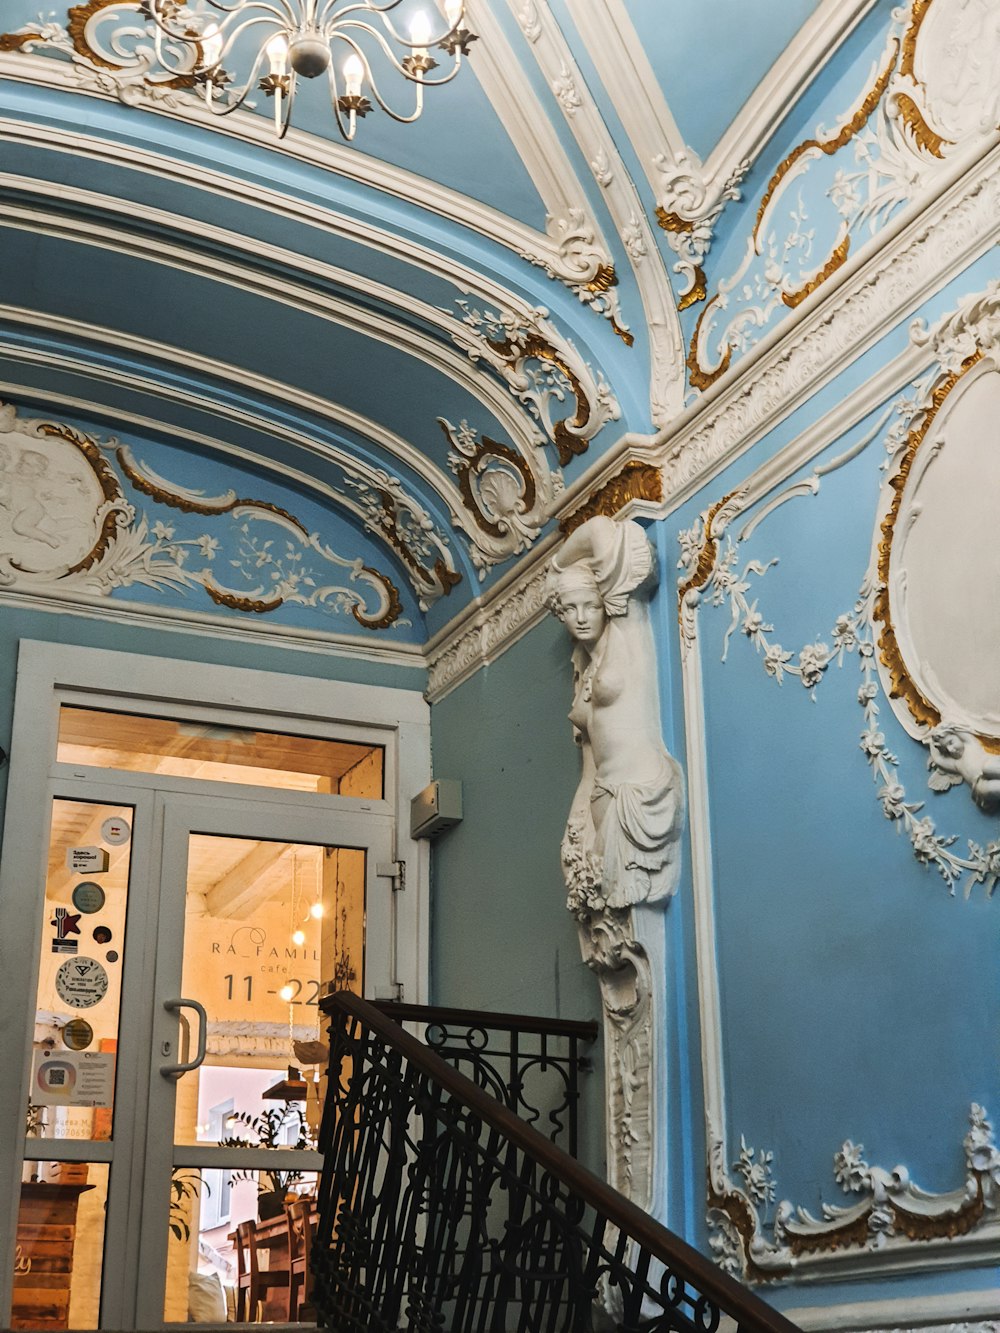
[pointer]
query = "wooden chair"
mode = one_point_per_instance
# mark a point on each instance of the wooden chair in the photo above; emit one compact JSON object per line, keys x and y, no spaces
{"x":299,"y":1215}
{"x":252,"y":1282}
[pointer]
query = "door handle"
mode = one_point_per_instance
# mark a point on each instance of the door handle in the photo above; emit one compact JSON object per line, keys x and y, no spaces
{"x":175,"y":1006}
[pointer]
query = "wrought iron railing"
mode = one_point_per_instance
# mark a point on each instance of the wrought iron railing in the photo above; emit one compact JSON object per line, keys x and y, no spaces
{"x":439,"y":1210}
{"x":532,"y":1065}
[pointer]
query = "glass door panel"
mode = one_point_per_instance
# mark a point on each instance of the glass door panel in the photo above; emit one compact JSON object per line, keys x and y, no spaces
{"x":266,"y":925}
{"x":262,"y":908}
{"x":77,"y":1008}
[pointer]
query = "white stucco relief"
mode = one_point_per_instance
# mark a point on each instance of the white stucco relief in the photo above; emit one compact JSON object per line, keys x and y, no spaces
{"x":948,"y":409}
{"x":67,"y":528}
{"x":621,"y":848}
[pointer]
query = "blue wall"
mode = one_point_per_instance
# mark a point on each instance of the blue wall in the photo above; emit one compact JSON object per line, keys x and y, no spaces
{"x":859,"y":993}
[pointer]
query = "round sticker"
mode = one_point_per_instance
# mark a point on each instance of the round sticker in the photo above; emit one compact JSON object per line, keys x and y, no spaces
{"x":81,"y":982}
{"x":112,"y":955}
{"x":102,"y":934}
{"x":88,"y":897}
{"x":116,"y":831}
{"x":77,"y":1034}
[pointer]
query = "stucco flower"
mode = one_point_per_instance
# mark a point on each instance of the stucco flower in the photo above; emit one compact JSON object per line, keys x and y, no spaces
{"x":162,"y":531}
{"x":872,"y":742}
{"x":867,"y":692}
{"x":925,"y":843}
{"x":208,"y":546}
{"x":850,"y":1170}
{"x":775,"y":659}
{"x":689,"y":540}
{"x":845,"y":636}
{"x":753,"y":622}
{"x":843,"y":194}
{"x":892,"y":797}
{"x":813,"y":661}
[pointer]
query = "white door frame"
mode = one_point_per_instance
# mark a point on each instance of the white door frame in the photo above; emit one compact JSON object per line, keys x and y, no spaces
{"x":51,"y":674}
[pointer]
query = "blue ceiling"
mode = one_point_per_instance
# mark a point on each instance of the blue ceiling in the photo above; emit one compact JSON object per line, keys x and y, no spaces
{"x":319,"y":315}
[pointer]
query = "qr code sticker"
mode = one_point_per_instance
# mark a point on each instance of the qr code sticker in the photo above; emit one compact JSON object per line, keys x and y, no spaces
{"x":57,"y":1077}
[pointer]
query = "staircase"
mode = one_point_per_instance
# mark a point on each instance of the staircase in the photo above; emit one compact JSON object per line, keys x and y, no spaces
{"x":441,"y":1210}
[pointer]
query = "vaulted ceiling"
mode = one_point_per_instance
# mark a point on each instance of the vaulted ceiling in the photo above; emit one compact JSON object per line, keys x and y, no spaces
{"x":435,"y":336}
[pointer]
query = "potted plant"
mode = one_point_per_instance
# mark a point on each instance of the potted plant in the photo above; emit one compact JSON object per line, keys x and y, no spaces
{"x":277,"y":1127}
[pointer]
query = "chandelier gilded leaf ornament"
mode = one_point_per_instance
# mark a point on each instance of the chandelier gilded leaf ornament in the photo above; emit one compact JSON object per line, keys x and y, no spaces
{"x":233,"y":48}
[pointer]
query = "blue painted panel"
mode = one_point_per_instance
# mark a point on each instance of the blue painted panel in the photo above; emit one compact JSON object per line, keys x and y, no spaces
{"x":707,"y":79}
{"x":859,"y":997}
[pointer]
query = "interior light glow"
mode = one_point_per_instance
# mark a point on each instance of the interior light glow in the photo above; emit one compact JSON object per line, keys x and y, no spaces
{"x":286,"y":994}
{"x":316,"y":911}
{"x":298,"y":938}
{"x":277,"y":53}
{"x":354,"y":72}
{"x":420,"y":31}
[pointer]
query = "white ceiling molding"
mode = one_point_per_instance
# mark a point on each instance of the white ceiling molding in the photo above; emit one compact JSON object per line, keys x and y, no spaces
{"x":416,"y":191}
{"x":891,"y":277}
{"x":206,"y":622}
{"x":485,"y":630}
{"x":691,"y":195}
{"x":401,"y":450}
{"x":622,"y":199}
{"x":374,"y":496}
{"x":440,"y":355}
{"x":306,"y":212}
{"x":827,"y":28}
{"x":581,"y":253}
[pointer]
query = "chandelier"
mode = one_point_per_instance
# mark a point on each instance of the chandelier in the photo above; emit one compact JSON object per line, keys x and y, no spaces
{"x":355,"y":43}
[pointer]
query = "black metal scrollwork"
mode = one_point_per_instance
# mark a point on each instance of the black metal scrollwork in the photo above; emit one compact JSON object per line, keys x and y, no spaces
{"x":441,"y":1212}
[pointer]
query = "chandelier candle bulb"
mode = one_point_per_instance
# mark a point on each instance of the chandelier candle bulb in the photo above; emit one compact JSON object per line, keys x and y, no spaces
{"x":277,"y":53}
{"x":354,"y":73}
{"x":316,"y":911}
{"x":420,"y":33}
{"x":298,"y":938}
{"x":298,"y":38}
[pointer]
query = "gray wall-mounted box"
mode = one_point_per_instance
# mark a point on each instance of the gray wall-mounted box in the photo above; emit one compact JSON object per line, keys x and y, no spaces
{"x":436,"y":808}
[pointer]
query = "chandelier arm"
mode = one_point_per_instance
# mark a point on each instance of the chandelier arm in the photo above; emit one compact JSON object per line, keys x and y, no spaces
{"x":279,"y":13}
{"x":338,"y":34}
{"x":328,"y":16}
{"x":346,"y":125}
{"x":238,"y":95}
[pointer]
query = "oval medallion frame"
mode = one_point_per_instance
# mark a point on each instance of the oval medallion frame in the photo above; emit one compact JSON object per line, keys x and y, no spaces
{"x":938,"y":567}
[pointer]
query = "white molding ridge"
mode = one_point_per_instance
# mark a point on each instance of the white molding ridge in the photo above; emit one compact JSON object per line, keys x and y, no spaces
{"x":484,"y":631}
{"x":326,"y":155}
{"x":693,"y":191}
{"x":141,"y":614}
{"x":958,"y":1312}
{"x":584,"y":120}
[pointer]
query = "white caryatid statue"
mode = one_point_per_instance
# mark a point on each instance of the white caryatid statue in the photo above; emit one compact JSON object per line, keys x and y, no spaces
{"x":625,"y":822}
{"x":621,"y":848}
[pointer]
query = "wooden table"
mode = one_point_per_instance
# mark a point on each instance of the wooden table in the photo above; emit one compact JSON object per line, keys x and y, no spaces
{"x":46,"y":1234}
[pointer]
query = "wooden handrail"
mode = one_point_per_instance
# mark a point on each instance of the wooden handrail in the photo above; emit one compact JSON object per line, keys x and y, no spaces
{"x":432,"y":1013}
{"x":661,"y":1244}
